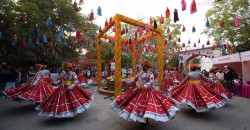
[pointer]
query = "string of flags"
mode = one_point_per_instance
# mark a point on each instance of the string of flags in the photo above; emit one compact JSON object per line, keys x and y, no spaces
{"x":49,"y":24}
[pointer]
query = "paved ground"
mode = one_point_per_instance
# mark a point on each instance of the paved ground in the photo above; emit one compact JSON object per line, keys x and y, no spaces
{"x":22,"y":116}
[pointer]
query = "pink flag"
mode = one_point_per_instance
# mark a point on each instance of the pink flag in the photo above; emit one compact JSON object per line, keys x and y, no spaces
{"x":236,"y":21}
{"x":183,"y":5}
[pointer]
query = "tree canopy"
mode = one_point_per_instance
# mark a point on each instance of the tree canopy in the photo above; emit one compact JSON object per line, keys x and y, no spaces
{"x":222,"y":21}
{"x":42,"y":31}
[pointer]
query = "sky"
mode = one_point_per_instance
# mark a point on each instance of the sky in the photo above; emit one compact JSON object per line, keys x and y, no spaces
{"x":145,"y":8}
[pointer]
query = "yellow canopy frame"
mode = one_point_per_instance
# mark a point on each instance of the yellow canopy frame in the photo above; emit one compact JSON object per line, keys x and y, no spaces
{"x":117,"y":19}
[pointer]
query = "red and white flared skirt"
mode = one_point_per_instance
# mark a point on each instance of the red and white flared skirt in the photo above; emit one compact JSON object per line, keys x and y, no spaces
{"x":167,"y":84}
{"x":137,"y":104}
{"x":38,"y":93}
{"x":198,"y":96}
{"x":83,"y":80}
{"x":219,"y":89}
{"x":15,"y":92}
{"x":63,"y":103}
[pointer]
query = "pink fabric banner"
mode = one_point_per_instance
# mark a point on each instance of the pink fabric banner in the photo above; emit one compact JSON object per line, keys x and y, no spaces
{"x":227,"y":59}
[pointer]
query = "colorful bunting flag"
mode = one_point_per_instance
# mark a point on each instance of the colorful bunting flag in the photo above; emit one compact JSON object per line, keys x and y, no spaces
{"x":193,"y":29}
{"x":207,"y":23}
{"x":70,"y":27}
{"x":36,"y":31}
{"x":176,"y":17}
{"x":167,"y":13}
{"x":61,"y":33}
{"x":193,"y":8}
{"x":236,"y":21}
{"x":91,"y":16}
{"x":183,"y":5}
{"x":183,"y":28}
{"x":99,"y":11}
{"x":45,"y":39}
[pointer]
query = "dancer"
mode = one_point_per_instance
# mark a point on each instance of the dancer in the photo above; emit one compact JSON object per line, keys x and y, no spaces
{"x":176,"y":76}
{"x":218,"y":87}
{"x":82,"y":79}
{"x":194,"y":93}
{"x":69,"y":99}
{"x":143,"y":101}
{"x":168,"y":81}
{"x":36,"y":90}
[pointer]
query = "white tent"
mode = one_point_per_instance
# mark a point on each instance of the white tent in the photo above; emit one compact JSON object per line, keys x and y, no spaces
{"x":245,"y":58}
{"x":233,"y":61}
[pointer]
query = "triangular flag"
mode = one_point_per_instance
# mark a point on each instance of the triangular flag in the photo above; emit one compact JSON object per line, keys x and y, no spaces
{"x":166,"y":42}
{"x":29,"y":40}
{"x":75,"y":6}
{"x":161,"y":20}
{"x":179,"y":39}
{"x":36,"y":31}
{"x":150,"y":20}
{"x":45,"y":39}
{"x":193,"y":8}
{"x":167,"y":13}
{"x":217,"y":44}
{"x":207,"y":23}
{"x":176,"y":17}
{"x":58,"y":39}
{"x":227,"y":45}
{"x":208,"y":42}
{"x":168,"y":31}
{"x":170,"y":46}
{"x":106,"y":23}
{"x":61,"y":31}
{"x":223,"y":48}
{"x":236,"y":21}
{"x":183,"y":44}
{"x":81,"y":2}
{"x":99,"y":11}
{"x":213,"y":47}
{"x":65,"y":42}
{"x":193,"y":29}
{"x":70,"y":27}
{"x":221,"y":24}
{"x":183,"y":5}
{"x":183,"y":28}
{"x":155,"y":24}
{"x":91,"y":16}
{"x":37,"y":41}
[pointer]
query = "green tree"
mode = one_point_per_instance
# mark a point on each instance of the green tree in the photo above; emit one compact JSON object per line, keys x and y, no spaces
{"x":196,"y":61}
{"x":226,"y":11}
{"x":61,"y":13}
{"x":171,"y":54}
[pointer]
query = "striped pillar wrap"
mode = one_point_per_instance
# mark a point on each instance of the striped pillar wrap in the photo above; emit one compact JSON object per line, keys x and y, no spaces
{"x":99,"y":63}
{"x":118,"y":53}
{"x":133,"y":59}
{"x":160,"y":60}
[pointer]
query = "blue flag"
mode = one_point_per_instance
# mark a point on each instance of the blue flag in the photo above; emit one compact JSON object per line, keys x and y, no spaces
{"x":45,"y":39}
{"x":207,"y":23}
{"x":61,"y":31}
{"x":99,"y":11}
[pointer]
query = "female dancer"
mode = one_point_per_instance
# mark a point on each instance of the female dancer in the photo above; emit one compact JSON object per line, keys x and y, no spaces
{"x":36,"y":90}
{"x":69,"y":99}
{"x":143,"y":101}
{"x":194,"y":93}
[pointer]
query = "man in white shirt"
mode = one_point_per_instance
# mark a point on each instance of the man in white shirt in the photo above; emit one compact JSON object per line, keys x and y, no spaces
{"x":220,"y":75}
